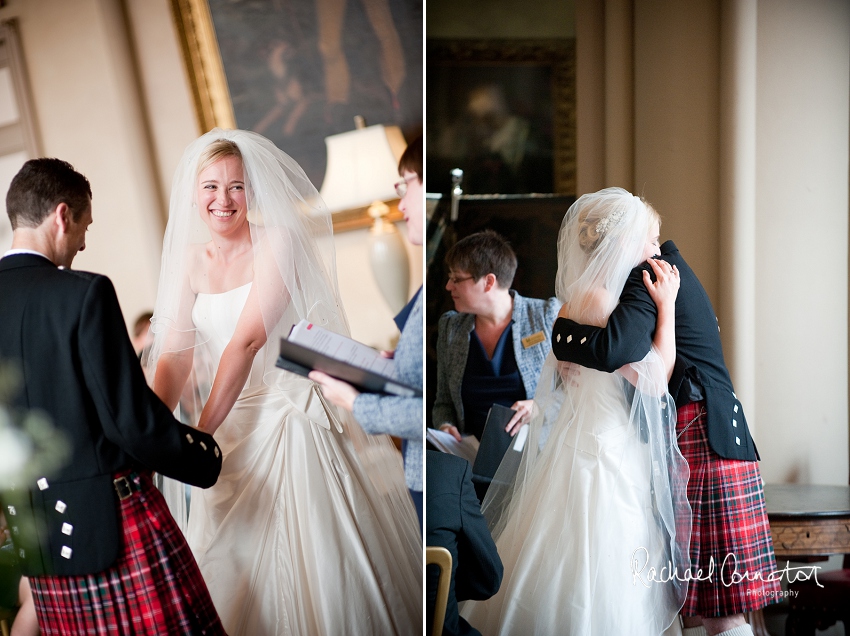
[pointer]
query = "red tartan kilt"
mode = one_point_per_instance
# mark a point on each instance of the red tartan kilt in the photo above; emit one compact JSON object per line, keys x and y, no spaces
{"x":155,"y":587}
{"x":729,"y":526}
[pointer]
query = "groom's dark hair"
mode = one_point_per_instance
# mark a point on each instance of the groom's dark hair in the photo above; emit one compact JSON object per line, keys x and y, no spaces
{"x":40,"y":186}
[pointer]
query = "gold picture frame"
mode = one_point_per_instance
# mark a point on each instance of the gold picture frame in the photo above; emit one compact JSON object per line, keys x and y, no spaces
{"x":211,"y":93}
{"x":202,"y":57}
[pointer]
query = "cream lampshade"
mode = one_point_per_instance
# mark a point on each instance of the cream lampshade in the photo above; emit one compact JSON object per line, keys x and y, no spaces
{"x":362,"y":167}
{"x":362,"y":170}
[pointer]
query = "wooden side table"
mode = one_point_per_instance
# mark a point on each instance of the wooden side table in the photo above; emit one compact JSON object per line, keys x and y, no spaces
{"x":808,"y":521}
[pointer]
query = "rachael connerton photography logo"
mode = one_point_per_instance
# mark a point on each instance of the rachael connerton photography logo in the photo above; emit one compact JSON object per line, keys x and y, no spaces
{"x":727,"y":573}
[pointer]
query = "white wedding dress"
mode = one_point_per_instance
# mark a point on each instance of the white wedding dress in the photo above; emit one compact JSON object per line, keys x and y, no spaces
{"x":586,"y":511}
{"x":295,"y":538}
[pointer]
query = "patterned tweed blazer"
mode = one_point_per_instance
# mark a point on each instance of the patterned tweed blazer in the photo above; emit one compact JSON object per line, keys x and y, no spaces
{"x":401,"y":416}
{"x":532,"y":331}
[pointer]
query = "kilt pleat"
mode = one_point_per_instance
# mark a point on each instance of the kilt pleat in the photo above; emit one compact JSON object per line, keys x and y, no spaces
{"x":730,"y":530}
{"x":155,"y":586}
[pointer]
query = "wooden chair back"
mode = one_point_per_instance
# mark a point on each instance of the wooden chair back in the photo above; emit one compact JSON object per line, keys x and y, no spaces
{"x":442,"y":558}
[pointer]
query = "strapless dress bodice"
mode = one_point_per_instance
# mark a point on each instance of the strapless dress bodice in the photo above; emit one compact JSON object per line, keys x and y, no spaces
{"x":215,"y":316}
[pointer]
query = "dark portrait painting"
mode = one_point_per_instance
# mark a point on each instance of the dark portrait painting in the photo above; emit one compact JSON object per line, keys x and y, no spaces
{"x":504,"y":113}
{"x":300,"y":70}
{"x":496,"y":124}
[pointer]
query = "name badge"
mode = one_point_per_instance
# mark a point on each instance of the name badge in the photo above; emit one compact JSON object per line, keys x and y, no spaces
{"x":533,"y":339}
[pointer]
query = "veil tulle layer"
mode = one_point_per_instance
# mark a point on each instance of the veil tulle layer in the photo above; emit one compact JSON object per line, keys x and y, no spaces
{"x":598,"y":490}
{"x":294,"y":275}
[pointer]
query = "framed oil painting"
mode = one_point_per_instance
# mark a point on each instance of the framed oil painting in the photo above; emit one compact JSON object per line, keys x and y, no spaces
{"x":503,"y":111}
{"x":298,"y":71}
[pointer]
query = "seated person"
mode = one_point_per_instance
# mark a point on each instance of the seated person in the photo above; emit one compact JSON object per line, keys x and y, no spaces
{"x":491,"y":349}
{"x":454,"y":521}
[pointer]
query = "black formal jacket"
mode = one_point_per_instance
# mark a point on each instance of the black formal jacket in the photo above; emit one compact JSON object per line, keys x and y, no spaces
{"x":64,"y":331}
{"x":454,"y":521}
{"x":699,"y":367}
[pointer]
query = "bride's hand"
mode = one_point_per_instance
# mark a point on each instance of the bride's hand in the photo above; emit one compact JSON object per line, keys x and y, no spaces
{"x":666,"y":286}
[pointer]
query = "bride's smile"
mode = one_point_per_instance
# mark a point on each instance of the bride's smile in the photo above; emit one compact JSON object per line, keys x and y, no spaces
{"x":221,"y":195}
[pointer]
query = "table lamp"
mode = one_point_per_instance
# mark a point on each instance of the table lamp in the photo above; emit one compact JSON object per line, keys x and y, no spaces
{"x":362,"y":170}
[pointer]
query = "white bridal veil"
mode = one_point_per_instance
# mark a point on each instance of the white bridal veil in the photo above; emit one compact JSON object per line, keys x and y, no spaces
{"x":294,"y":273}
{"x":609,"y":484}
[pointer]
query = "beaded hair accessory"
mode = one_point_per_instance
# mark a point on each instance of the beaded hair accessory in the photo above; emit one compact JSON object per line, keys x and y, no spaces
{"x":610,"y":221}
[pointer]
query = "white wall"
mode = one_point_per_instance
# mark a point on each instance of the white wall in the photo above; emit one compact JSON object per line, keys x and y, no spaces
{"x":676,"y":125}
{"x":89,"y":112}
{"x":802,"y":234}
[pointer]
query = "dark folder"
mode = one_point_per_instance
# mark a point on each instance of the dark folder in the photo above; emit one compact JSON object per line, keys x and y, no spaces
{"x":495,"y":441}
{"x":301,"y":360}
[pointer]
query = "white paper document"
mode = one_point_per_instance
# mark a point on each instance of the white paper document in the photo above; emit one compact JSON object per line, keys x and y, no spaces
{"x":466,"y":448}
{"x":342,"y":348}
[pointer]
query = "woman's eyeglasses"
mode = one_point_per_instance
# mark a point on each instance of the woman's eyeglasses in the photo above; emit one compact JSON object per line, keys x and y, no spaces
{"x":401,"y":186}
{"x":454,"y":280}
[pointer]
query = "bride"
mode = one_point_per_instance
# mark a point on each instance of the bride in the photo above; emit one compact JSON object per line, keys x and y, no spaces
{"x":310,"y":529}
{"x":597,"y":496}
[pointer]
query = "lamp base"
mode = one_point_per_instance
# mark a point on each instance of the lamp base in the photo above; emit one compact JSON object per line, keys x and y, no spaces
{"x":388,"y":258}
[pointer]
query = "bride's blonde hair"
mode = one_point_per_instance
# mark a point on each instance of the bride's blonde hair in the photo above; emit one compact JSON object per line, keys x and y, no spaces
{"x":598,"y":218}
{"x":219,"y":149}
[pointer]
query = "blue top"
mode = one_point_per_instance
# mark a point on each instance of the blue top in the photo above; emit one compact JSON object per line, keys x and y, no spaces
{"x":400,"y":318}
{"x":488,"y":381}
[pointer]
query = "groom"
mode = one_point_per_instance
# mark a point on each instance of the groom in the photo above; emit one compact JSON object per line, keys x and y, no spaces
{"x":95,"y":537}
{"x":724,"y":490}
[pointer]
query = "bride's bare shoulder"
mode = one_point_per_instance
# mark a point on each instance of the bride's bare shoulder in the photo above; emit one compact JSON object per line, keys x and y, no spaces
{"x":198,"y":256}
{"x":595,"y":306}
{"x":599,"y":298}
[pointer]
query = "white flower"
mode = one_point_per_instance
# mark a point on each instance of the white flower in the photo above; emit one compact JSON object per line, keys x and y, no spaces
{"x":15,"y":451}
